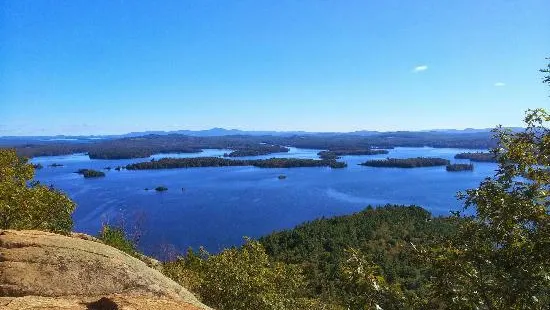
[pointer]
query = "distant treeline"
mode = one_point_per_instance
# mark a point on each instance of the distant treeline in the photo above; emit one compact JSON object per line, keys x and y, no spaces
{"x":335,"y":154}
{"x":407,"y":162}
{"x":257,"y":150}
{"x":479,"y":157}
{"x":169,"y":163}
{"x":460,"y":167}
{"x":386,"y":140}
{"x":145,"y":146}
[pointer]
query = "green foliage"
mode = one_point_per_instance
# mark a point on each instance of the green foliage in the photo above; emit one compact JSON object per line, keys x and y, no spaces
{"x":478,"y":156}
{"x":546,"y":78}
{"x":499,"y":258}
{"x":170,"y":163}
{"x":116,"y":237}
{"x":25,"y":204}
{"x":366,"y":287}
{"x":242,"y":278}
{"x":459,"y":167}
{"x":145,"y":146}
{"x":256,"y":150}
{"x":336,"y":153}
{"x":384,"y":233}
{"x":407,"y":162}
{"x":90,"y":173}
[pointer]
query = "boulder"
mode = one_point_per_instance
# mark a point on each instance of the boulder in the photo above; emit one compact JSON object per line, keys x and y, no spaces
{"x":41,"y":270}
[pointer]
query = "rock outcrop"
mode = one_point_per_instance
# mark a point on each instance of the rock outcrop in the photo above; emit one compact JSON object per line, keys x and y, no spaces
{"x":40,"y":270}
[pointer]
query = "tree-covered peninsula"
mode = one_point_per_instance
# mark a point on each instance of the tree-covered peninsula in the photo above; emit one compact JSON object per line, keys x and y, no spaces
{"x":170,"y":163}
{"x":407,"y":162}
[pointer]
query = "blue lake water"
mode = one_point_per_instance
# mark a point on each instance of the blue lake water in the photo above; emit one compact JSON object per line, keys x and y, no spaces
{"x":216,"y":207}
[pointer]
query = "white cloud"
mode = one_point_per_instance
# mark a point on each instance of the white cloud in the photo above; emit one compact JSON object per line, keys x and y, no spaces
{"x":499,"y":84}
{"x":420,"y":68}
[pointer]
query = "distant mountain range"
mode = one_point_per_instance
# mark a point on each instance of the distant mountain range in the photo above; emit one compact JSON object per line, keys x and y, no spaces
{"x":228,"y":132}
{"x":5,"y":140}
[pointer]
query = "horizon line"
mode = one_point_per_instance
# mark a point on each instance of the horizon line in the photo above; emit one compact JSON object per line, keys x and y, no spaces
{"x":177,"y":131}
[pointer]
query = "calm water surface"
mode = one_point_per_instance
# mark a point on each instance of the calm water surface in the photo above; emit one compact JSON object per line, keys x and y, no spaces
{"x":216,"y":207}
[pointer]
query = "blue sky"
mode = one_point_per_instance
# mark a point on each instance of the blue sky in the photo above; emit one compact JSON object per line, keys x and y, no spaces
{"x":99,"y":67}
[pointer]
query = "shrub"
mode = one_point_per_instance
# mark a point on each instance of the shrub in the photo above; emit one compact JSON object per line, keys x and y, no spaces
{"x":240,"y":278}
{"x":116,"y":237}
{"x":26,"y":204}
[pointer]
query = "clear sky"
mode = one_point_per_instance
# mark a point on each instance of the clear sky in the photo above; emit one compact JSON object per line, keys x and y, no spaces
{"x":99,"y":67}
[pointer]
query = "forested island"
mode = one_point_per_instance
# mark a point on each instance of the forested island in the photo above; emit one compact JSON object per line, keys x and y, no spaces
{"x":478,"y":156}
{"x":257,"y":150}
{"x":337,"y":153}
{"x":169,"y":163}
{"x":90,"y":173}
{"x":147,"y":145}
{"x":459,"y":167}
{"x":407,"y":162}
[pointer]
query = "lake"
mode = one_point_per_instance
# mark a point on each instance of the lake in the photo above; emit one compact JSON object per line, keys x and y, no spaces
{"x":215,"y":207}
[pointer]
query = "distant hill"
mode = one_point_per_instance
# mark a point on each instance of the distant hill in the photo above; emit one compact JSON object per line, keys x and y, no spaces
{"x":218,"y":132}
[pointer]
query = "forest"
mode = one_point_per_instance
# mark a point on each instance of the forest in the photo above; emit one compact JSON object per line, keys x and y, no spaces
{"x":407,"y":162}
{"x":145,"y":146}
{"x":170,"y":163}
{"x":478,"y":156}
{"x":257,"y":150}
{"x":386,"y":233}
{"x":90,"y":173}
{"x":459,"y":167}
{"x":337,"y":153}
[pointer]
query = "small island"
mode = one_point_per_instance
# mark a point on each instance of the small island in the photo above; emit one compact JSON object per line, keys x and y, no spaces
{"x":90,"y":173}
{"x":407,"y":162}
{"x":478,"y":157}
{"x":459,"y":167}
{"x":55,"y":165}
{"x":194,"y":162}
{"x":336,"y":153}
{"x":161,"y":188}
{"x":257,"y":151}
{"x":37,"y":166}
